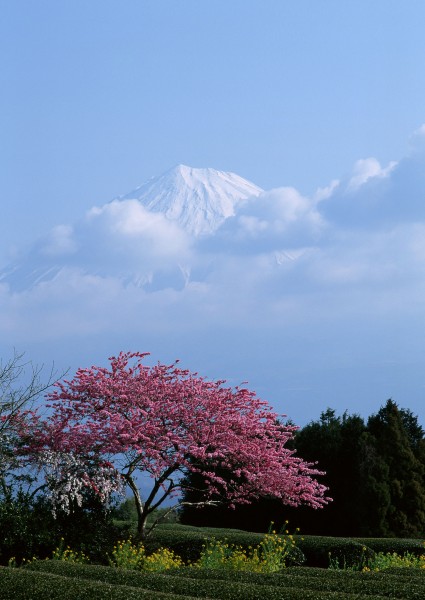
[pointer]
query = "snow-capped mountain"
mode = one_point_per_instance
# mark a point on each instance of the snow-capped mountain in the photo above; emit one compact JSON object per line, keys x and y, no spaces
{"x":198,"y":199}
{"x":143,"y":237}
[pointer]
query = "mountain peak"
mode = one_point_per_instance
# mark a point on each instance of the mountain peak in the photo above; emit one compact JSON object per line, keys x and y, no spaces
{"x":198,"y":199}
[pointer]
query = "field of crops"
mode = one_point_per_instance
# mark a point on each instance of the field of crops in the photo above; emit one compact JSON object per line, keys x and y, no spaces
{"x":53,"y":580}
{"x":322,"y":567}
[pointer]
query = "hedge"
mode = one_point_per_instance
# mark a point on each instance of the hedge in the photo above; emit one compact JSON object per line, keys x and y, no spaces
{"x":390,"y":585}
{"x":230,"y":586}
{"x":188,"y":543}
{"x":398,"y":545}
{"x":319,"y":551}
{"x":23,"y":584}
{"x":311,"y":550}
{"x":325,"y":573}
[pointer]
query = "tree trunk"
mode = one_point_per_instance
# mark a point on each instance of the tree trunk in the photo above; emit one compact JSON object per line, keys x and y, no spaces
{"x":140,"y":508}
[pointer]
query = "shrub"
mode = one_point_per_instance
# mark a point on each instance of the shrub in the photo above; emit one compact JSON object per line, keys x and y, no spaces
{"x":27,"y":528}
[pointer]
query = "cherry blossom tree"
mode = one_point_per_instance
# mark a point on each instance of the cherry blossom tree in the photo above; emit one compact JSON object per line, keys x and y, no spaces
{"x":110,"y":425}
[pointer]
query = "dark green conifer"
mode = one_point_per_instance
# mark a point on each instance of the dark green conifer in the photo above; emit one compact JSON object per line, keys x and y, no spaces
{"x":398,"y":440}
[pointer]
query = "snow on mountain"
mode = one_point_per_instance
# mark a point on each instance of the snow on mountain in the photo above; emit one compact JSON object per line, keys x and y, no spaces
{"x":198,"y":199}
{"x":143,"y":237}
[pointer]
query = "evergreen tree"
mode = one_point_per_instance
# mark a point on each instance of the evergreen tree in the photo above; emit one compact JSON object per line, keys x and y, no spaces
{"x":374,"y":492}
{"x":336,"y":442}
{"x":399,"y":441}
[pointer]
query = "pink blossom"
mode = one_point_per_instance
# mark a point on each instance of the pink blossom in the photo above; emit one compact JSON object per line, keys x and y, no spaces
{"x":165,"y":421}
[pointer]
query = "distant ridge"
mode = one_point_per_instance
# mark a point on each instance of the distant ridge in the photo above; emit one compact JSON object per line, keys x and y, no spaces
{"x":198,"y":199}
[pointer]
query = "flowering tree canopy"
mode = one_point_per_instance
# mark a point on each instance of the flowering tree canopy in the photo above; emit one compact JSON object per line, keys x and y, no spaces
{"x":109,"y":424}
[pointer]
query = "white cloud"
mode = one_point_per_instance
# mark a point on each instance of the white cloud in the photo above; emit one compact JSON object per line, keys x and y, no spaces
{"x":124,"y":260}
{"x":417,"y":139}
{"x":375,"y":197}
{"x":120,"y":239}
{"x":59,"y":242}
{"x":420,"y":131}
{"x":326,"y":192}
{"x":128,"y":223}
{"x":272,"y":221}
{"x":368,"y":168}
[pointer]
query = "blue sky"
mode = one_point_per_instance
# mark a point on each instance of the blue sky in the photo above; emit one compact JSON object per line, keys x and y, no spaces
{"x":99,"y":96}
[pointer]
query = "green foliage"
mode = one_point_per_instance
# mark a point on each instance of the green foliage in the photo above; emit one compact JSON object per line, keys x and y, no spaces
{"x":398,"y":545}
{"x":295,"y":583}
{"x":22,"y":584}
{"x":379,"y":561}
{"x":336,"y":443}
{"x":375,"y":472}
{"x":346,"y":582}
{"x":27,"y":528}
{"x":185,"y":543}
{"x":399,"y":440}
{"x":229,"y":589}
{"x":370,"y":560}
{"x":126,"y":512}
{"x":89,"y":528}
{"x":188,"y":543}
{"x":387,"y":560}
{"x":320,"y":550}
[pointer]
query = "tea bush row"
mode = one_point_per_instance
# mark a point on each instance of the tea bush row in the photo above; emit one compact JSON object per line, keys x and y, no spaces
{"x":272,"y":554}
{"x":187,"y":542}
{"x":354,"y":574}
{"x":398,"y":545}
{"x":221,"y":589}
{"x":319,"y":551}
{"x":295,"y":583}
{"x":323,"y":580}
{"x":23,"y":584}
{"x":311,"y":550}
